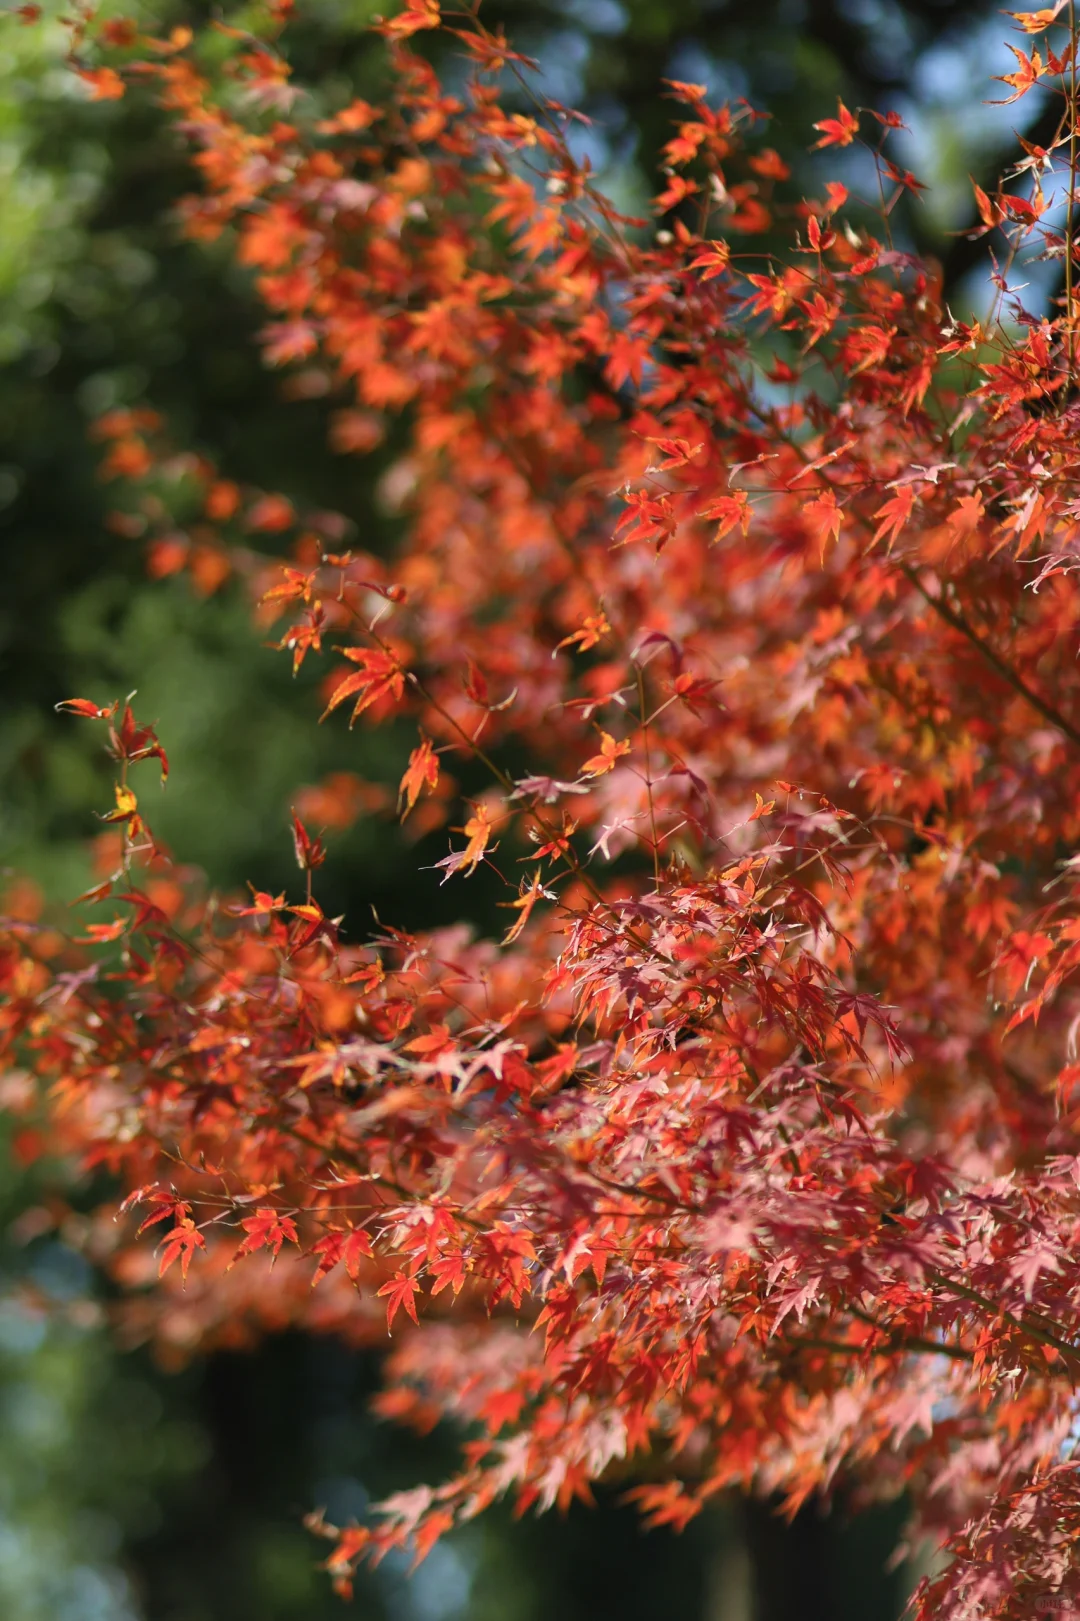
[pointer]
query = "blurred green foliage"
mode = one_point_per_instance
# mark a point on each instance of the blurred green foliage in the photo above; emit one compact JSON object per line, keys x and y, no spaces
{"x":127,"y":1494}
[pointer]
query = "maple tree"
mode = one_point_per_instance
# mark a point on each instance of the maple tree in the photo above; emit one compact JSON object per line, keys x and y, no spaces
{"x":734,"y":621}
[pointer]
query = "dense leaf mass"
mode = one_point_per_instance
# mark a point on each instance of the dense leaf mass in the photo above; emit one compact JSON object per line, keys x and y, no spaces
{"x":739,"y":589}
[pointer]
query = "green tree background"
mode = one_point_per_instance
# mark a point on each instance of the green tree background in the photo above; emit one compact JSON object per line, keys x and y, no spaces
{"x":130,"y":1494}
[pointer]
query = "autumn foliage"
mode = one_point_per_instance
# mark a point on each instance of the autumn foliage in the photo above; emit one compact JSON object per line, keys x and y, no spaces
{"x":741,"y":578}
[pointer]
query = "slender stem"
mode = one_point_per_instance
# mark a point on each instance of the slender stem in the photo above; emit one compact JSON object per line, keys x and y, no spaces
{"x":996,"y":1309}
{"x":648,"y":772}
{"x":899,"y":1340}
{"x":570,"y":855}
{"x":958,"y":622}
{"x":895,"y":1344}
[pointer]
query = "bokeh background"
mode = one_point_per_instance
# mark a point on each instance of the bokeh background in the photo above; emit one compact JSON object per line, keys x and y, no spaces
{"x":130,"y":1492}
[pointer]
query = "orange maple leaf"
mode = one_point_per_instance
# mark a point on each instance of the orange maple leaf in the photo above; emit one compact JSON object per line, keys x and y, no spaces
{"x":349,"y":1247}
{"x":182,"y":1242}
{"x":610,"y":751}
{"x":449,"y":1271}
{"x":824,"y":517}
{"x":838,"y":131}
{"x":525,"y":902}
{"x":422,"y":772}
{"x":1029,"y":71}
{"x":966,"y":516}
{"x":106,"y":83}
{"x":714,"y":262}
{"x":266,"y":1228}
{"x":895,"y":513}
{"x":478,"y":831}
{"x":729,"y":510}
{"x":401,"y":1290}
{"x":594,"y":627}
{"x":1034,"y":22}
{"x":379,"y":676}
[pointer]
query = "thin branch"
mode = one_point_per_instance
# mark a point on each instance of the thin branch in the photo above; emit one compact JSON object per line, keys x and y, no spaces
{"x":648,"y":773}
{"x":959,"y":623}
{"x":996,"y":1309}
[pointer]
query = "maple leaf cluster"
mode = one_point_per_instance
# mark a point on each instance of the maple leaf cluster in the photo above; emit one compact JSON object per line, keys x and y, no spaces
{"x":752,"y":1148}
